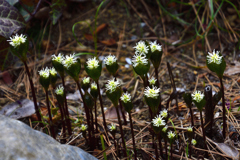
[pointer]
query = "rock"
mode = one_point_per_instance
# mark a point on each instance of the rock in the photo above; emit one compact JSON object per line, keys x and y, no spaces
{"x":19,"y":141}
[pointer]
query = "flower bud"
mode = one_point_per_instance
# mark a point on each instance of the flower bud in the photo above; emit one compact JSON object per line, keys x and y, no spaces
{"x":94,"y":90}
{"x":57,"y":62}
{"x":53,"y":76}
{"x":44,"y":78}
{"x":111,"y":64}
{"x":126,"y":101}
{"x":72,"y":66}
{"x":93,"y":68}
{"x":85,"y":83}
{"x":114,"y":91}
{"x":152,"y":98}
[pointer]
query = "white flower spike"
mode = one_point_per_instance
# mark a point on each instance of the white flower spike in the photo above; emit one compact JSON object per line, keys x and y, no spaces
{"x":152,"y":92}
{"x":139,"y":59}
{"x":52,"y":71}
{"x":190,"y":129}
{"x":86,"y":80}
{"x":92,"y":63}
{"x":197,"y":96}
{"x":59,"y":90}
{"x":60,"y":58}
{"x":44,"y":72}
{"x":152,"y":81}
{"x":110,"y":59}
{"x":158,"y":121}
{"x":194,"y":142}
{"x":164,"y":113}
{"x":112,"y":85}
{"x":69,"y":60}
{"x":16,"y":40}
{"x":214,"y":57}
{"x":94,"y":86}
{"x":141,"y":47}
{"x":83,"y":127}
{"x":112,"y":127}
{"x":154,"y":46}
{"x":126,"y":97}
{"x":171,"y":135}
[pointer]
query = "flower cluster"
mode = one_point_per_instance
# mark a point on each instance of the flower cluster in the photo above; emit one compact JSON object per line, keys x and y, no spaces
{"x":152,"y":81}
{"x":92,"y":63}
{"x":112,"y":127}
{"x":110,"y":59}
{"x":17,"y":40}
{"x":214,"y":57}
{"x":112,"y":85}
{"x":44,"y":73}
{"x":59,"y":90}
{"x":126,"y":97}
{"x":164,"y":113}
{"x":197,"y":96}
{"x":139,"y":59}
{"x":60,"y":58}
{"x":83,"y":127}
{"x":52,"y":71}
{"x":141,"y":47}
{"x":94,"y":86}
{"x":86,"y":80}
{"x":69,"y":60}
{"x":154,"y":46}
{"x":158,"y":121}
{"x":152,"y":92}
{"x":171,"y":135}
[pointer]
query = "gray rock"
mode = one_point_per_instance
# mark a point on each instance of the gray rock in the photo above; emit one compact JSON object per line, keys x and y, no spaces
{"x":20,"y":142}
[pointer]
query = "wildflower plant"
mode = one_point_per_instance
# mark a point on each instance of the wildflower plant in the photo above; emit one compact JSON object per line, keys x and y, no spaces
{"x":156,"y":54}
{"x":114,"y":91}
{"x":194,"y":142}
{"x":53,"y":76}
{"x":152,"y":98}
{"x":57,"y":62}
{"x":94,"y":90}
{"x":72,"y":66}
{"x":198,"y":99}
{"x":93,"y":68}
{"x":85,"y":83}
{"x":152,"y":82}
{"x":158,"y":123}
{"x":127,"y":102}
{"x":19,"y":46}
{"x":60,"y":94}
{"x":141,"y":64}
{"x":44,"y":78}
{"x":141,"y":48}
{"x":111,"y":64}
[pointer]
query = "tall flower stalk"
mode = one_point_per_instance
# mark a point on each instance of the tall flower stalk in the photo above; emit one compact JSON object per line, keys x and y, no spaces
{"x":114,"y":93}
{"x":216,"y":63}
{"x":19,"y":46}
{"x":44,"y":80}
{"x":57,"y":62}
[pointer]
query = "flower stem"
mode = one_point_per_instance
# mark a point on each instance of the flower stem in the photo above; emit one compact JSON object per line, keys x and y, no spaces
{"x":171,"y":151}
{"x":63,"y":121}
{"x":156,"y":150}
{"x":224,"y":110}
{"x":191,"y":112}
{"x":133,"y":139}
{"x":65,"y":109}
{"x":190,"y":150}
{"x":160,"y":144}
{"x":50,"y":115}
{"x":123,"y":114}
{"x":33,"y":93}
{"x":165,"y":140}
{"x":121,"y":130}
{"x":87,"y":115}
{"x":156,"y":76}
{"x":101,"y":103}
{"x":95,"y":106}
{"x":204,"y":138}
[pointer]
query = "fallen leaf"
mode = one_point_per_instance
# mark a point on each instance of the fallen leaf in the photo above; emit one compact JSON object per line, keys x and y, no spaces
{"x":109,"y":42}
{"x":19,"y":109}
{"x":88,"y":37}
{"x":100,"y":28}
{"x":233,"y":69}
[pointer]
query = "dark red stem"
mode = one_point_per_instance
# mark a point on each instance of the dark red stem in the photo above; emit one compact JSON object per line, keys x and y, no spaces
{"x":33,"y":93}
{"x":69,"y":126}
{"x":203,"y":130}
{"x":133,"y":139}
{"x":160,"y":144}
{"x":224,"y":110}
{"x":50,"y":115}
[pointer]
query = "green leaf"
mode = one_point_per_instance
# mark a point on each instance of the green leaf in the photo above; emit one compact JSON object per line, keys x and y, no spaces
{"x":10,"y":19}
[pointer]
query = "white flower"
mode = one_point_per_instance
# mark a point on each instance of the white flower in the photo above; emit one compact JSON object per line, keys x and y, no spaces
{"x":171,"y":135}
{"x":164,"y":113}
{"x":158,"y":121}
{"x":194,"y":142}
{"x":60,"y":58}
{"x":44,"y":72}
{"x":139,"y":59}
{"x":165,"y":129}
{"x":16,"y":40}
{"x":141,"y":47}
{"x":86,"y":80}
{"x":152,"y":92}
{"x":214,"y":57}
{"x":112,"y":127}
{"x":94,"y":86}
{"x":69,"y":60}
{"x":112,"y":85}
{"x":154,"y":46}
{"x":152,"y":81}
{"x":52,"y":71}
{"x":59,"y":90}
{"x":126,"y":97}
{"x":110,"y":59}
{"x":83,"y":127}
{"x":190,"y":129}
{"x":197,"y":96}
{"x":92,"y":63}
